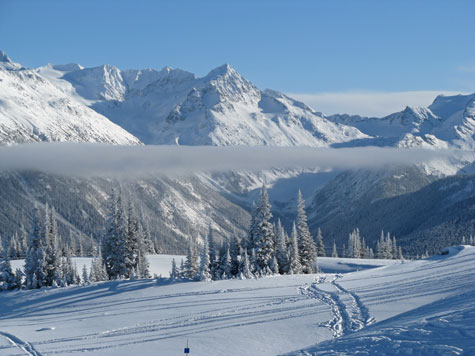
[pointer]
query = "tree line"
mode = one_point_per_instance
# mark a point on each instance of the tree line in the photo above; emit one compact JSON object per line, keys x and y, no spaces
{"x":121,"y":254}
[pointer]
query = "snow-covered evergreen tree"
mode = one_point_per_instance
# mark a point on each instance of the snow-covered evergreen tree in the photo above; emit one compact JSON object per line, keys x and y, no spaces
{"x":307,"y":250}
{"x":212,"y":252}
{"x":8,"y":279}
{"x":35,"y":263}
{"x":225,"y":266}
{"x":319,"y":244}
{"x":53,"y":252}
{"x":191,"y":267}
{"x":114,"y":246}
{"x":205,"y":274}
{"x":281,"y":252}
{"x":85,"y":275}
{"x":355,"y":247}
{"x":334,"y":251}
{"x":294,"y":259}
{"x":244,"y":266}
{"x":264,"y":235}
{"x":174,"y":274}
{"x":235,"y":252}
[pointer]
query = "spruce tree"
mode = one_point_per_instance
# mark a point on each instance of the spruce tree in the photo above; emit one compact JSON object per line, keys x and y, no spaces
{"x":307,"y":251}
{"x":205,"y":274}
{"x":235,"y":252}
{"x":191,"y":267}
{"x":53,"y":253}
{"x":213,"y":258}
{"x":320,"y":246}
{"x":85,"y":276}
{"x":281,"y":249}
{"x":244,"y":266}
{"x":8,"y":279}
{"x":334,"y":252}
{"x":294,"y":259}
{"x":264,"y":237}
{"x":174,"y":271}
{"x":35,"y":264}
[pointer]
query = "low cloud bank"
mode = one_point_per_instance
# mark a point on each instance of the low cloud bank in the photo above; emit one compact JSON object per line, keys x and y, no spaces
{"x":131,"y":161}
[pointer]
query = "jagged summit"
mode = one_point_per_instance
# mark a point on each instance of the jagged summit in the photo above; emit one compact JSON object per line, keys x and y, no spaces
{"x":221,"y":71}
{"x":4,"y":57}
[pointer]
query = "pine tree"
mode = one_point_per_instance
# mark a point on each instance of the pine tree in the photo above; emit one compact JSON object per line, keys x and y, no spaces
{"x":400,"y":256}
{"x":53,"y":253}
{"x":307,"y":251}
{"x":244,"y":268}
{"x":205,"y":274}
{"x":35,"y":264}
{"x":394,"y":248}
{"x":114,"y":248}
{"x":264,"y":237}
{"x":85,"y":276}
{"x":334,"y":252}
{"x":225,"y":266}
{"x":213,"y":258}
{"x":23,"y":241}
{"x":320,"y":246}
{"x":294,"y":259}
{"x":235,"y":252}
{"x":174,"y":271}
{"x":8,"y":279}
{"x":281,"y":249}
{"x":191,"y":267}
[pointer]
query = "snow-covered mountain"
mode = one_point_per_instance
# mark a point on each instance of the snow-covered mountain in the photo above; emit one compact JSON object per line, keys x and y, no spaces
{"x":223,"y":108}
{"x":32,"y":109}
{"x":448,"y":122}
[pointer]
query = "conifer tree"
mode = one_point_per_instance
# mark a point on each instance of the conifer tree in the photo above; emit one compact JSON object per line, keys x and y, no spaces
{"x":114,"y":248}
{"x":226,"y":265}
{"x":205,"y":274}
{"x":244,"y":266}
{"x":334,"y":252}
{"x":8,"y":279}
{"x":212,"y":252}
{"x":191,"y":268}
{"x":307,"y":251}
{"x":174,"y":271}
{"x":294,"y":259}
{"x":264,"y":237}
{"x":53,"y":253}
{"x":35,"y":264}
{"x":320,"y":246}
{"x":85,"y":276}
{"x":235,"y":252}
{"x":281,"y":249}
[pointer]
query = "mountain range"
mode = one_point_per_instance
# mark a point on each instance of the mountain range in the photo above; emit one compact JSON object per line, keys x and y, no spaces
{"x":132,"y":107}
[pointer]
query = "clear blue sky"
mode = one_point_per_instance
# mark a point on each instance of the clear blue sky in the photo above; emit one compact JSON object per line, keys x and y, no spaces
{"x":292,"y":46}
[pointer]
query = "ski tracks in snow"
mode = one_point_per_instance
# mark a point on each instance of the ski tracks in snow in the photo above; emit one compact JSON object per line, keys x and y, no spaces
{"x":349,"y":313}
{"x":26,"y":347}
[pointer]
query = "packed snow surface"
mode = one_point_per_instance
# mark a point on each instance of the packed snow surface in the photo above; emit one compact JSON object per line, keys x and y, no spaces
{"x":418,"y":308}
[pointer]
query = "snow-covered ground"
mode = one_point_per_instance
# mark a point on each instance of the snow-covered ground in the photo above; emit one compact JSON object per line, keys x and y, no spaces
{"x":419,"y":308}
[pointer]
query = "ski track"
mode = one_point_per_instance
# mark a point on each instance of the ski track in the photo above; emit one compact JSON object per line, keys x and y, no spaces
{"x":349,"y":313}
{"x":26,"y":347}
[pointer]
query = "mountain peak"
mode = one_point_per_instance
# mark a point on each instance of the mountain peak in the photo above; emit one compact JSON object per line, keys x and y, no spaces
{"x":4,"y":57}
{"x":222,"y":71}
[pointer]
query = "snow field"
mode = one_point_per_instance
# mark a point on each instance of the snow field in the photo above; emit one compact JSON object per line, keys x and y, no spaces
{"x":422,"y":307}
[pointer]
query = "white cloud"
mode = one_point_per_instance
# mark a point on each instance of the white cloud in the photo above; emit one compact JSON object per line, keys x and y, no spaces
{"x":132,"y":161}
{"x":368,"y":103}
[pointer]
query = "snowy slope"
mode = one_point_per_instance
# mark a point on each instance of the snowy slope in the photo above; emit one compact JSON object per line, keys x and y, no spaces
{"x":33,"y":109}
{"x":426,"y":308}
{"x":421,"y":307}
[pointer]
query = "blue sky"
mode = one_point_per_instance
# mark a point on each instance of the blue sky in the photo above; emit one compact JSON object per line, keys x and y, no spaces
{"x":308,"y":47}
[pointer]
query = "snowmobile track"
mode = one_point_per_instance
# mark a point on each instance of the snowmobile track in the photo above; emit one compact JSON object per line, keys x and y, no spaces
{"x":26,"y":347}
{"x":349,"y":313}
